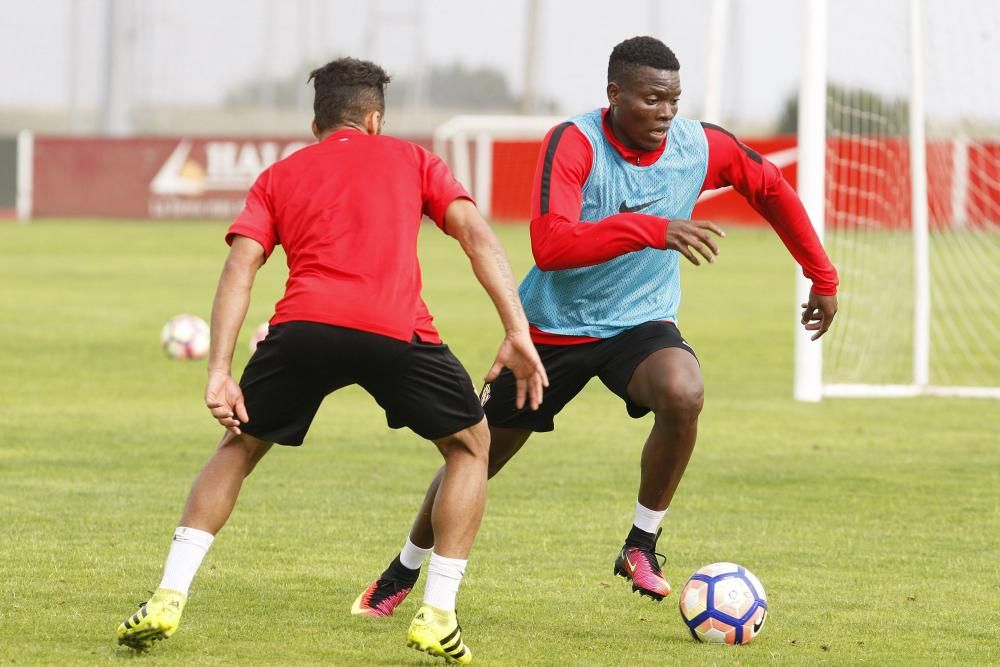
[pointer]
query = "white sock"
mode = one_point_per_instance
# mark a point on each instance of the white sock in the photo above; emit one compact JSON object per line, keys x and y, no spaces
{"x":647,"y":519}
{"x":186,"y":552}
{"x":412,"y":556}
{"x":443,"y":578}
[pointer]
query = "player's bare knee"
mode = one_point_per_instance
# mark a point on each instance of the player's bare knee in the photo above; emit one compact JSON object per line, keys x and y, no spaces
{"x":679,"y":400}
{"x":471,"y":442}
{"x":466,"y":448}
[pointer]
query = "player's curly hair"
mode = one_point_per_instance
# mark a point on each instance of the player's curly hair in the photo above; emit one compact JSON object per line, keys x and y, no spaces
{"x":637,"y":52}
{"x":347,"y":89}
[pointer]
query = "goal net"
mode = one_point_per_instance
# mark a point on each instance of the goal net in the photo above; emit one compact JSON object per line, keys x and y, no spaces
{"x":911,"y":189}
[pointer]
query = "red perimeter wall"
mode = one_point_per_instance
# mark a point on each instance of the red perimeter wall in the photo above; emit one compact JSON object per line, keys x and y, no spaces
{"x":207,"y":177}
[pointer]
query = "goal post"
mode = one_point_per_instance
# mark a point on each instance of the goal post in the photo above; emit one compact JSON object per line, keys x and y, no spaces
{"x":25,"y":174}
{"x":899,"y":169}
{"x":812,"y":157}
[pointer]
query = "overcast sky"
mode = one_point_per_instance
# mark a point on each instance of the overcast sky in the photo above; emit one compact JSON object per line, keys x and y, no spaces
{"x":191,"y":51}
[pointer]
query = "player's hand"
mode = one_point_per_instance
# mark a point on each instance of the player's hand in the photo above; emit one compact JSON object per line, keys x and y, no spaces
{"x":518,"y":353}
{"x":817,"y":315}
{"x":694,"y":237}
{"x":224,"y":399}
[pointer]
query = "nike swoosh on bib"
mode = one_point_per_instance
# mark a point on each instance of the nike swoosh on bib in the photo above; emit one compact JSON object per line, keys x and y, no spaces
{"x":625,"y":208}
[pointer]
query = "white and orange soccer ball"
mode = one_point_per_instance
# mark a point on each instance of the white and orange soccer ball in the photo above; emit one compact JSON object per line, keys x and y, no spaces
{"x":185,"y":337}
{"x":258,"y":335}
{"x":724,"y":603}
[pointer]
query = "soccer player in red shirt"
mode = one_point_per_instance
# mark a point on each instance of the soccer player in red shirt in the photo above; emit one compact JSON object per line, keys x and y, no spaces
{"x":347,"y":211}
{"x":613,"y":192}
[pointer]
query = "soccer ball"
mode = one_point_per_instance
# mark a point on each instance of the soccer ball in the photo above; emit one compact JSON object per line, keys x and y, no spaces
{"x":185,"y":337}
{"x":258,"y":335}
{"x":724,"y":603}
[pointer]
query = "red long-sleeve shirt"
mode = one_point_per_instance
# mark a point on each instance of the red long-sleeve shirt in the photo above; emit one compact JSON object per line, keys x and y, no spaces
{"x":560,"y":241}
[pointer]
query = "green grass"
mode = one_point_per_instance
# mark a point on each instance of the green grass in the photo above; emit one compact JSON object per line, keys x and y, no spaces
{"x":873,"y":524}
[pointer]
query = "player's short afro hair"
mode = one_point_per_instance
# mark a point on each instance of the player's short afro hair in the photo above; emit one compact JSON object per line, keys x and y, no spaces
{"x":640,"y":52}
{"x":347,"y":89}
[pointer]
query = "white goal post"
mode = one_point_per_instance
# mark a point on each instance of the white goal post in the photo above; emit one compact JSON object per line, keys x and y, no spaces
{"x":908,"y":203}
{"x":25,"y":174}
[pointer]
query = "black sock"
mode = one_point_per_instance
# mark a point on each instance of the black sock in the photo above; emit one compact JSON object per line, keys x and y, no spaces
{"x":399,"y":572}
{"x":640,"y":538}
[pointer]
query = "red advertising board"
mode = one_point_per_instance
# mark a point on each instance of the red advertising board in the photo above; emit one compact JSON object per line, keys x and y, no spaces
{"x":207,"y":177}
{"x":150,"y":177}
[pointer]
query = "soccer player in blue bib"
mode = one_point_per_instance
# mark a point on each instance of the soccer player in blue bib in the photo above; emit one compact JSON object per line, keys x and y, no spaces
{"x":613,"y":193}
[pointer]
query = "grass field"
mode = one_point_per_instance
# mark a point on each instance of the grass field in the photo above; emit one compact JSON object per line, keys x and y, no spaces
{"x":873,"y":524}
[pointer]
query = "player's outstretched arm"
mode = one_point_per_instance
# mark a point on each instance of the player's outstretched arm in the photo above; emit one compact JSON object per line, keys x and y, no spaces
{"x":760,"y":182}
{"x":463,"y":222}
{"x":223,"y":396}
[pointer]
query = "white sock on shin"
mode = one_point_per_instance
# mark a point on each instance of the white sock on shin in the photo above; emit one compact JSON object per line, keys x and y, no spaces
{"x":444,"y":575}
{"x":412,"y":556}
{"x":186,"y":553}
{"x":647,"y":519}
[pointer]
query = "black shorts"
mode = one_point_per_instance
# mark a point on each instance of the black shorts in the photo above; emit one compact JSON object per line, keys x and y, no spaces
{"x":419,"y":385}
{"x":570,"y":368}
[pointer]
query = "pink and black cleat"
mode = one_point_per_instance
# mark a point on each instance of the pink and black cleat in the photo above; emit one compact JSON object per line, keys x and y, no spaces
{"x":381,"y":598}
{"x":639,"y":564}
{"x":388,"y":592}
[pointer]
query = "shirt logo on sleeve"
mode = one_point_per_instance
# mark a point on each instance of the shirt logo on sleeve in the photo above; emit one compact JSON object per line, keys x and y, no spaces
{"x":625,"y":208}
